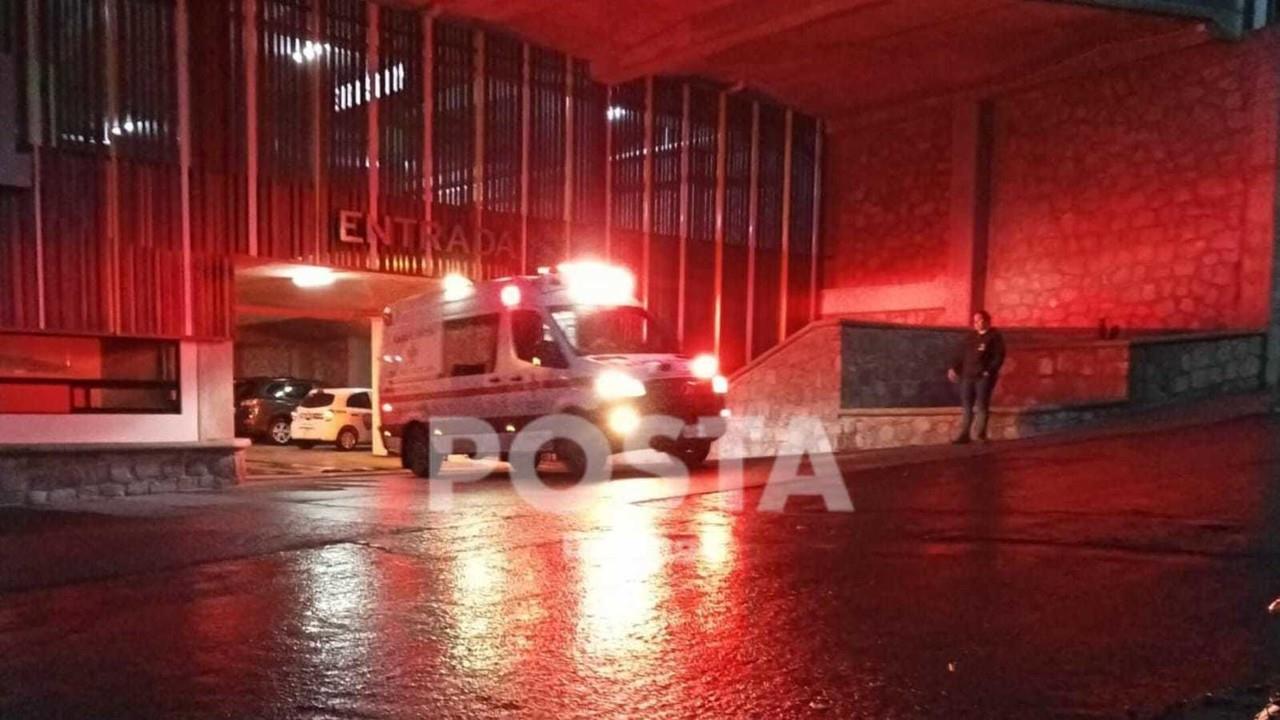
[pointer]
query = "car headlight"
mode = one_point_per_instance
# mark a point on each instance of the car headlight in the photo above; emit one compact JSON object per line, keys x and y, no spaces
{"x":614,"y":384}
{"x":720,"y":385}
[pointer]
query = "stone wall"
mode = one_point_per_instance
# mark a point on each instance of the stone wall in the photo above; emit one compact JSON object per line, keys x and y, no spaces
{"x":893,"y":367}
{"x":875,"y":386}
{"x":888,"y":212}
{"x":1167,"y":370}
{"x":38,"y":476}
{"x":1063,"y":371}
{"x":872,"y":429}
{"x":922,"y":316}
{"x":905,"y":367}
{"x":799,"y":377}
{"x":1142,"y":195}
{"x":1127,"y":377}
{"x":326,"y":351}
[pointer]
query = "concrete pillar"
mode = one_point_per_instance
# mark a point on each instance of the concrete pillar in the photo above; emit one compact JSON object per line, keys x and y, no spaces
{"x":215,"y":390}
{"x":359,"y":361}
{"x":375,"y":359}
{"x":971,"y":143}
{"x":1262,"y":210}
{"x":1271,"y":368}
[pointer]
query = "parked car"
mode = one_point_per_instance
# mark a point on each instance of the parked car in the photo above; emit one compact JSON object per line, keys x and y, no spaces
{"x":342,"y":416}
{"x":264,"y":406}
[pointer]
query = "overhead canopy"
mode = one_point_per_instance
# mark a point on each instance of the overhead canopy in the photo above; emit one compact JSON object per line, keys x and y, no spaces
{"x":267,"y":290}
{"x":836,"y":57}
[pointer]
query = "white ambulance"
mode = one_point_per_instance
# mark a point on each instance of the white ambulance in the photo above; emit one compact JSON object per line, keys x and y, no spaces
{"x":569,"y":341}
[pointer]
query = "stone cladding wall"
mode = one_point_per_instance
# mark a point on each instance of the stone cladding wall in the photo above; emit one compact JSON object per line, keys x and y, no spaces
{"x":38,"y":477}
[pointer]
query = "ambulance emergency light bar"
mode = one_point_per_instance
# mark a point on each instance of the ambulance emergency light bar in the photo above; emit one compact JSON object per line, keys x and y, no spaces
{"x":591,"y":282}
{"x":588,"y":282}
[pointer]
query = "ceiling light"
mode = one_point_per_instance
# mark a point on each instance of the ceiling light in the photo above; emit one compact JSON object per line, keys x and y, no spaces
{"x":312,"y":277}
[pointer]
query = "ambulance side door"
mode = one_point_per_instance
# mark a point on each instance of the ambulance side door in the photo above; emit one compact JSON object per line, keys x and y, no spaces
{"x":538,"y":365}
{"x":471,"y":385}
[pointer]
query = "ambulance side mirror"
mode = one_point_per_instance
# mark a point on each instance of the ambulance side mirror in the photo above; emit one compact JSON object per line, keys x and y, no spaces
{"x":548,"y":354}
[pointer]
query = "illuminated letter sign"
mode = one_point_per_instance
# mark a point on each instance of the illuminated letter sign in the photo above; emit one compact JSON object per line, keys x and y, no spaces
{"x":357,"y":228}
{"x":349,"y":227}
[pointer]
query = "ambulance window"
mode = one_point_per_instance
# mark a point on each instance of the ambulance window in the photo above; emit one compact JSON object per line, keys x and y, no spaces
{"x":533,"y":341}
{"x":359,"y":400}
{"x":470,"y":345}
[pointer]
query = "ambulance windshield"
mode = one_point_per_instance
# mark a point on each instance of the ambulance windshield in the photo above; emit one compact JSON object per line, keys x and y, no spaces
{"x":624,"y":330}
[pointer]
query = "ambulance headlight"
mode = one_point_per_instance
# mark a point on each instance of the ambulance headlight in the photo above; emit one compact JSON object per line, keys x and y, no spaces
{"x":720,"y":385}
{"x":615,"y":384}
{"x":704,"y":367}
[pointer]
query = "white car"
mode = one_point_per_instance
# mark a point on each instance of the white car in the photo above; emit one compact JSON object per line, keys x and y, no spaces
{"x":342,"y":416}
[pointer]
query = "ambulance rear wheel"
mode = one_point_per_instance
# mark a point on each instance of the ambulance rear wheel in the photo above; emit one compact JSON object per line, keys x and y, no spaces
{"x":573,"y":457}
{"x":421,"y":459}
{"x":694,"y":454}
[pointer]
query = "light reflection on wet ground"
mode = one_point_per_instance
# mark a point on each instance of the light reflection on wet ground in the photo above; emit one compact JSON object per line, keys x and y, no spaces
{"x":1071,"y":581}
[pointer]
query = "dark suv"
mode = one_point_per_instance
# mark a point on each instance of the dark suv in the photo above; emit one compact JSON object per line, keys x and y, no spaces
{"x":264,"y":406}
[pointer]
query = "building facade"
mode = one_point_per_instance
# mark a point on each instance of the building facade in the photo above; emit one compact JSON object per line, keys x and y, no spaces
{"x":159,"y":148}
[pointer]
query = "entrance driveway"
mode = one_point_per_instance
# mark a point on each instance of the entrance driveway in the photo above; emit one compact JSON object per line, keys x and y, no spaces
{"x":1079,"y":580}
{"x":264,"y":461}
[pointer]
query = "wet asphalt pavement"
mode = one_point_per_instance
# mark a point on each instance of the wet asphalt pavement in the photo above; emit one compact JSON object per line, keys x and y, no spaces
{"x":1089,"y":579}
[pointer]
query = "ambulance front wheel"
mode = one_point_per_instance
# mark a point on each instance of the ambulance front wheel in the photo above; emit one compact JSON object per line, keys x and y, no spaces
{"x":421,"y":459}
{"x":574,"y":458}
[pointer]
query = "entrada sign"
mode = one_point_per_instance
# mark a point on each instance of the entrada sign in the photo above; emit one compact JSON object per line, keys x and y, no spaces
{"x":431,"y":237}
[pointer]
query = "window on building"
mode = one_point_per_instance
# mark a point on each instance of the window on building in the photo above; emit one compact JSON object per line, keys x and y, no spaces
{"x":589,"y":161}
{"x":453,"y":127}
{"x":91,"y":50}
{"x":626,"y":113}
{"x":470,"y":345}
{"x":546,"y":130}
{"x":344,"y":72}
{"x":288,"y":55}
{"x":504,"y":66}
{"x":10,"y":21}
{"x":668,"y":146}
{"x":46,"y":374}
{"x":400,"y":118}
{"x":737,"y":197}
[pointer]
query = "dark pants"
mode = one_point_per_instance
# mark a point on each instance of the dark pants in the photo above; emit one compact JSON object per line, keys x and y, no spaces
{"x":975,"y":395}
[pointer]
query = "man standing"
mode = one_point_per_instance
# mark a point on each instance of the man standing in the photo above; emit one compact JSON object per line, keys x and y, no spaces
{"x":976,"y":369}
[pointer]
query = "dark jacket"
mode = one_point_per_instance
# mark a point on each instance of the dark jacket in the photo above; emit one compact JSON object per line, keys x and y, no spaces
{"x":979,"y":354}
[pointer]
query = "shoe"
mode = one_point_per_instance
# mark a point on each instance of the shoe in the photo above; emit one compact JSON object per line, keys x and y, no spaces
{"x":962,"y":440}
